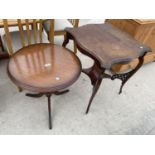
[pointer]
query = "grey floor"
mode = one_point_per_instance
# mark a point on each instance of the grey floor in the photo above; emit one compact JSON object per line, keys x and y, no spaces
{"x":132,"y":112}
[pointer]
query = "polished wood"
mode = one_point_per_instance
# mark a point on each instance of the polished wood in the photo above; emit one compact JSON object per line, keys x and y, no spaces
{"x":107,"y":46}
{"x":142,"y":30}
{"x":75,"y":23}
{"x":44,"y":68}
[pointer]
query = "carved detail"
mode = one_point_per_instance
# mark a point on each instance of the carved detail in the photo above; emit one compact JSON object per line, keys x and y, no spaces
{"x":126,"y":76}
{"x":122,"y":77}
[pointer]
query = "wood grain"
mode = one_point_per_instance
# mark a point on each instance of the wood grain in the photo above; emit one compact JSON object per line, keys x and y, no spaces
{"x":44,"y":68}
{"x":107,"y":44}
{"x":142,"y":30}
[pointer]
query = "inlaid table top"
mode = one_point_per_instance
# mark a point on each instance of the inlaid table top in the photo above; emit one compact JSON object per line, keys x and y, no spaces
{"x":107,"y":44}
{"x":44,"y":68}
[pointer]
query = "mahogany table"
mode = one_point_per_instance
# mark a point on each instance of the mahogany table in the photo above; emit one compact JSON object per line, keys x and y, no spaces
{"x":106,"y":45}
{"x":45,"y":69}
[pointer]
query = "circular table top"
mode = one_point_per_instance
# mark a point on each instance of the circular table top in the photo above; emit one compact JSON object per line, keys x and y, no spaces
{"x":44,"y":68}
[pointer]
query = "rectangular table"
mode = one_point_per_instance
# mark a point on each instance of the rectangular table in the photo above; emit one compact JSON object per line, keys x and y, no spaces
{"x":107,"y":46}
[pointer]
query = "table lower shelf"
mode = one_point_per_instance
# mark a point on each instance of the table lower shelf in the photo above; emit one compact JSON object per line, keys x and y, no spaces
{"x":150,"y":57}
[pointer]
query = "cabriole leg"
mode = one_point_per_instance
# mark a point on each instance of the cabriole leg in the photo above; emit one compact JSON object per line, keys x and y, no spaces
{"x":96,"y":74}
{"x":126,"y":76}
{"x":95,"y":89}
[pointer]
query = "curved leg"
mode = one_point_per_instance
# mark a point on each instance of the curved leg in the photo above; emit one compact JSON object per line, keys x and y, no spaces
{"x":75,"y":48}
{"x":49,"y":110}
{"x":126,"y":76}
{"x":95,"y":89}
{"x":66,"y":40}
{"x":96,"y":74}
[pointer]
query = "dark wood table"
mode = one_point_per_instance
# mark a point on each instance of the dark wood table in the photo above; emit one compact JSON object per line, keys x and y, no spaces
{"x":45,"y":69}
{"x":106,"y":45}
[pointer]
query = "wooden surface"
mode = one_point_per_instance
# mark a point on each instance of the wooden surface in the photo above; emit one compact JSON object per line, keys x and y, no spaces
{"x":145,"y":21}
{"x":107,"y":44}
{"x":11,"y":22}
{"x":142,"y":30}
{"x":28,"y":39}
{"x":14,"y":22}
{"x":44,"y":68}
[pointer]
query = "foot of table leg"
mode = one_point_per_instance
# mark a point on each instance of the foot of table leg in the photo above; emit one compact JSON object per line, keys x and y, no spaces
{"x":95,"y":89}
{"x":34,"y":95}
{"x":19,"y":89}
{"x":126,"y":76}
{"x":61,"y":92}
{"x":49,"y":110}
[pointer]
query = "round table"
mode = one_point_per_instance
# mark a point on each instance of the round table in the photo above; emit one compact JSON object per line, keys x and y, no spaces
{"x":45,"y":69}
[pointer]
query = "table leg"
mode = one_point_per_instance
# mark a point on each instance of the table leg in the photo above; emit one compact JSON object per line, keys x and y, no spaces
{"x":95,"y":89}
{"x":3,"y":55}
{"x":49,"y":110}
{"x":49,"y":104}
{"x":95,"y":74}
{"x":126,"y":76}
{"x":48,"y":95}
{"x":66,"y":40}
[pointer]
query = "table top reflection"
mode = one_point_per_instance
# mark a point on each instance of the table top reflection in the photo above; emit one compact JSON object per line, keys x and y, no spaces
{"x":44,"y":66}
